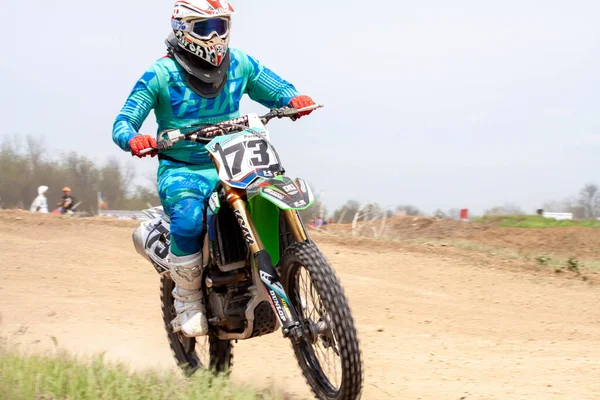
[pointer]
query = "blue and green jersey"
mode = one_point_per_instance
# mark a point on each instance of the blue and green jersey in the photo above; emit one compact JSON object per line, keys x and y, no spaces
{"x":163,"y":89}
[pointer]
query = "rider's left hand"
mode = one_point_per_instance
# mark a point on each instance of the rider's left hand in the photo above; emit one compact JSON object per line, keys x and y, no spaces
{"x":301,"y":102}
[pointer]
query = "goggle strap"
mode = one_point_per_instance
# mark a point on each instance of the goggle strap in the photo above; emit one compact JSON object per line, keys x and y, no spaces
{"x":181,"y":26}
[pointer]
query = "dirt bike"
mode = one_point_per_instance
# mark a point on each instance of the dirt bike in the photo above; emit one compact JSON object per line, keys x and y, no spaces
{"x":261,"y":269}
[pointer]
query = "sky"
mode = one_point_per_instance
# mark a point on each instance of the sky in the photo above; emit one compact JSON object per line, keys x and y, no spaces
{"x":462,"y":104}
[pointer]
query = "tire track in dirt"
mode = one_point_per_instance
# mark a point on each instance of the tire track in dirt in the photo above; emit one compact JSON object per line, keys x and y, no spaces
{"x":432,"y":326}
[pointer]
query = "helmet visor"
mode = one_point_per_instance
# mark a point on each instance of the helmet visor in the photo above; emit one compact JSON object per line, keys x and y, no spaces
{"x":207,"y":28}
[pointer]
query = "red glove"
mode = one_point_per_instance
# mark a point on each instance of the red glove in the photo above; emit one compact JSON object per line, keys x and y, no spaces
{"x":139,"y":143}
{"x":301,"y":102}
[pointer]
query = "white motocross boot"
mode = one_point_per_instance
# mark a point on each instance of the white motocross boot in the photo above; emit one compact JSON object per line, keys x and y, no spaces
{"x":186,"y":272}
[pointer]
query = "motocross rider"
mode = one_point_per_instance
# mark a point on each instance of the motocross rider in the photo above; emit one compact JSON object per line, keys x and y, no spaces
{"x":200,"y":81}
{"x":66,"y":202}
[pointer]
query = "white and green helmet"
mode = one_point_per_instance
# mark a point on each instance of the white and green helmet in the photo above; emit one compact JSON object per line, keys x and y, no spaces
{"x":202,"y":28}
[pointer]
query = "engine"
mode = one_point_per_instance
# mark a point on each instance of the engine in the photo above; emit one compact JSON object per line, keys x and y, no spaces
{"x":228,"y":306}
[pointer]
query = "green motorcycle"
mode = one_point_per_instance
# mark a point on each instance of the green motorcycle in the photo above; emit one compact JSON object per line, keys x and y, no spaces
{"x":261,"y":269}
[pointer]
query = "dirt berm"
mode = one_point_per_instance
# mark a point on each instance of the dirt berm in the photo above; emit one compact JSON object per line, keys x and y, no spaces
{"x":573,"y":241}
{"x":432,"y":324}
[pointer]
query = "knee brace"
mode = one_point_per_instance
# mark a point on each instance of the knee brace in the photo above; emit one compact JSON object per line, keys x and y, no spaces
{"x":186,"y":225}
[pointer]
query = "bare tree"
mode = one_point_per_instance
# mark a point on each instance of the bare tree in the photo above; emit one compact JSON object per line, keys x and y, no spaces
{"x":35,"y":151}
{"x":345,"y":214}
{"x":453,"y":213}
{"x":151,"y":178}
{"x":316,"y":210}
{"x":409,"y":210}
{"x":558,"y":205}
{"x":506,"y":209}
{"x":25,"y":165}
{"x":571,"y":205}
{"x":589,"y":199}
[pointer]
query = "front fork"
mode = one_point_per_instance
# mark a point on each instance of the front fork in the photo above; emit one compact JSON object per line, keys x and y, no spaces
{"x":279,"y":300}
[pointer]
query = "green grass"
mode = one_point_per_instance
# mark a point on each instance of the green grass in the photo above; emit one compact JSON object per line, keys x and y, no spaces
{"x":536,"y":221}
{"x":64,"y":377}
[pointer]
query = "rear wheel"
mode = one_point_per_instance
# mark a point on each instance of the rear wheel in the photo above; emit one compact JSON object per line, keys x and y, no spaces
{"x":329,"y":355}
{"x":204,"y":352}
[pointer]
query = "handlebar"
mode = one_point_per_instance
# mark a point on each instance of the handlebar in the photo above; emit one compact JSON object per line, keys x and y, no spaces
{"x":287,"y":112}
{"x":206,"y":133}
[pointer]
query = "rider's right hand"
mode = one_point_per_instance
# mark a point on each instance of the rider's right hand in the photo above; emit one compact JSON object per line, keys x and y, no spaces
{"x":142,"y":142}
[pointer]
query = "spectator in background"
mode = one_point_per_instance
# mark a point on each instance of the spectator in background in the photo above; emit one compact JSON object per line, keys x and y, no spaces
{"x":319,"y":222}
{"x":40,"y":203}
{"x":66,"y":202}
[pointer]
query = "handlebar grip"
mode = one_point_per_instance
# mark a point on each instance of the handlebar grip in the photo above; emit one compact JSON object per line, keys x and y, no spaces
{"x":147,"y":151}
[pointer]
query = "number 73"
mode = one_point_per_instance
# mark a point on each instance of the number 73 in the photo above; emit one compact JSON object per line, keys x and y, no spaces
{"x":259,"y":152}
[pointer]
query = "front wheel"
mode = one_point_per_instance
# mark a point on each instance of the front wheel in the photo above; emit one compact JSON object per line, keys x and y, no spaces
{"x":329,"y":355}
{"x":204,"y":352}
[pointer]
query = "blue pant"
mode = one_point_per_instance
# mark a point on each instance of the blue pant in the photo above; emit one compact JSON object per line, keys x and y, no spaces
{"x":183,"y":191}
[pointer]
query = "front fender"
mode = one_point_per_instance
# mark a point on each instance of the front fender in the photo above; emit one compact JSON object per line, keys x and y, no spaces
{"x":283,"y":192}
{"x":266,"y":198}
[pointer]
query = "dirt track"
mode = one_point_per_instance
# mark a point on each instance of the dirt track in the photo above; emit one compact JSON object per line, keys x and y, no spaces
{"x":451,"y":330}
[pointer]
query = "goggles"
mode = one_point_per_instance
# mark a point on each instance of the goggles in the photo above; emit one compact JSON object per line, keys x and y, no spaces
{"x":204,"y":29}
